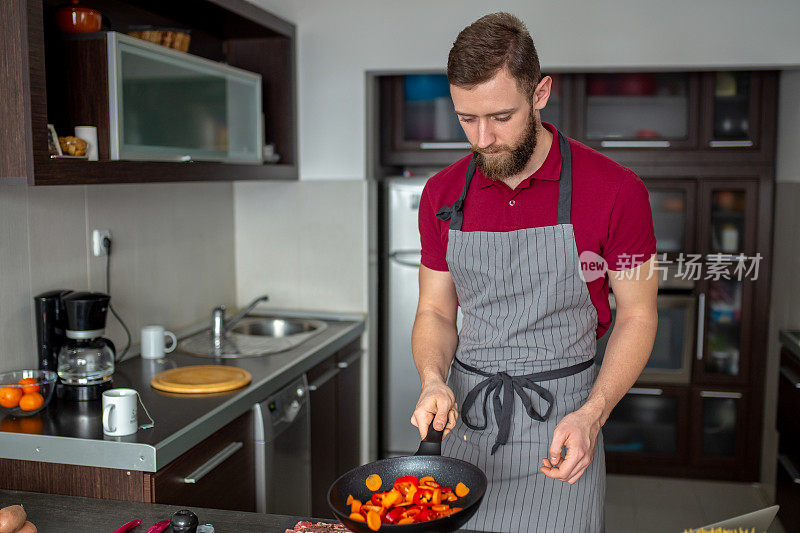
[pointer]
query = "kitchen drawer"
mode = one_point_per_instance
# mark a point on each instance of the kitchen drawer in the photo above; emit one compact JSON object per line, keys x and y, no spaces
{"x":787,"y":490}
{"x":223,"y":467}
{"x":788,"y":423}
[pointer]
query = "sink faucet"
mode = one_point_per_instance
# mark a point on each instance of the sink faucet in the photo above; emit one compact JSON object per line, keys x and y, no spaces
{"x":219,"y":326}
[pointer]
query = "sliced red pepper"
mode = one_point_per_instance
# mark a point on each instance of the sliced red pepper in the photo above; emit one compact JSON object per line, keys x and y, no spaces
{"x":425,"y":515}
{"x":394,"y":515}
{"x":445,"y":490}
{"x":377,"y":498}
{"x":423,"y":496}
{"x":407,"y":479}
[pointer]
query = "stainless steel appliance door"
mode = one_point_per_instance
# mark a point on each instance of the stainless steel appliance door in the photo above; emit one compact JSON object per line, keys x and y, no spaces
{"x":400,"y":374}
{"x":282,"y":448}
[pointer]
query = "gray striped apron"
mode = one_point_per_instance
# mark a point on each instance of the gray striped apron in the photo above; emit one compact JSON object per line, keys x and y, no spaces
{"x":528,"y":334}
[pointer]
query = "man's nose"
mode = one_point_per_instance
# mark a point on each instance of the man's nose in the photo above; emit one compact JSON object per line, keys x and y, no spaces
{"x":485,"y":135}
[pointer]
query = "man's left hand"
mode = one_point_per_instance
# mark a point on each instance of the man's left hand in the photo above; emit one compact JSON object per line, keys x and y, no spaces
{"x":578,"y":432}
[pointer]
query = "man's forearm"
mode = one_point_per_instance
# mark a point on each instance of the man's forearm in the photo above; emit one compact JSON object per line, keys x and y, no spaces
{"x":433,"y":343}
{"x":626,"y":355}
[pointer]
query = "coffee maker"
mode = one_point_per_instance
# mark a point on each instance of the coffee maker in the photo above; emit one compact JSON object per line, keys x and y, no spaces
{"x":86,"y":358}
{"x":51,"y":323}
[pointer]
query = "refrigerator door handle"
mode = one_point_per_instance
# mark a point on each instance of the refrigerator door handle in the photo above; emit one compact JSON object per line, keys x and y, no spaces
{"x":399,"y":257}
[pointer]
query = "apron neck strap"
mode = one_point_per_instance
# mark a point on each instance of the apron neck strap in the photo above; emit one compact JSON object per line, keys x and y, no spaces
{"x":455,"y":214}
{"x":565,"y":181}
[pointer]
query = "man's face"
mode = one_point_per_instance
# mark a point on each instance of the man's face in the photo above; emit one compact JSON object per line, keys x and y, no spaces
{"x":500,"y":124}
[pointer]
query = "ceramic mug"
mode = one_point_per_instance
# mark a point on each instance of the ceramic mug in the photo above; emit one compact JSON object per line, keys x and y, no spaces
{"x":119,"y":412}
{"x":153,"y":340}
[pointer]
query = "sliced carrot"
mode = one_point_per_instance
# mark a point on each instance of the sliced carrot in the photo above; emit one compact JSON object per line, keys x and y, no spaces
{"x":355,"y":506}
{"x":374,"y":482}
{"x":349,"y":499}
{"x":461,"y":490}
{"x":404,"y":521}
{"x":357,"y":517}
{"x":439,"y":508}
{"x":373,"y":520}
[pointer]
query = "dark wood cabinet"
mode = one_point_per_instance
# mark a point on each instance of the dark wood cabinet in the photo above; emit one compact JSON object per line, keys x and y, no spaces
{"x":37,"y":75}
{"x":201,"y":477}
{"x":335,"y":406}
{"x":787,"y":489}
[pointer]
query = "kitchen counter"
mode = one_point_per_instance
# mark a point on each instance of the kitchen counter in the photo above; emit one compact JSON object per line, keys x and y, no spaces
{"x":53,"y":513}
{"x":71,"y":432}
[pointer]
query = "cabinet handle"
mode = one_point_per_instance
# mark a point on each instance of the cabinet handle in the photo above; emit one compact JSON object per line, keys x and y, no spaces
{"x":214,"y":462}
{"x":444,"y":146}
{"x":787,"y":465}
{"x":701,"y":324}
{"x":791,"y":376}
{"x":648,"y":392}
{"x":730,"y":144}
{"x":323,"y":379}
{"x":716,"y":394}
{"x":350,"y":360}
{"x":635,"y":144}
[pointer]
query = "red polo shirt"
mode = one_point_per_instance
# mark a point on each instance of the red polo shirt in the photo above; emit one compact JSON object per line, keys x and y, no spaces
{"x":610,"y":211}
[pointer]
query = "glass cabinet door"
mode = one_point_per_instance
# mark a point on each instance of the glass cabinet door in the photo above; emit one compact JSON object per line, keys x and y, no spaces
{"x":428,"y":118}
{"x":719,"y":421}
{"x":639,"y":109}
{"x":648,"y":424}
{"x":673,"y":205}
{"x":730,"y":224}
{"x":734,"y":109}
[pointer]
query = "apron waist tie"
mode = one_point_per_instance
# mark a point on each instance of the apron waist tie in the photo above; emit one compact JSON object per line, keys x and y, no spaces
{"x":509,"y":385}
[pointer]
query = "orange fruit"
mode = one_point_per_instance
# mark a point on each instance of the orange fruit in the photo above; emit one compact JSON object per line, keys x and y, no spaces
{"x":10,"y":396}
{"x":30,"y":385}
{"x":31,"y":401}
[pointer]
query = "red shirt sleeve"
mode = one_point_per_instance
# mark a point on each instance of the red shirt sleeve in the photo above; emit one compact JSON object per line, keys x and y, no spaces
{"x":631,"y":240}
{"x":434,"y":247}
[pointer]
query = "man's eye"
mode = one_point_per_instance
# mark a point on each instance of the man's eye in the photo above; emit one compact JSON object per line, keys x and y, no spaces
{"x":504,"y":118}
{"x":466,"y":120}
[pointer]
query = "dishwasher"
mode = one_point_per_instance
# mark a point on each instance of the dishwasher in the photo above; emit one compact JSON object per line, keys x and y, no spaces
{"x":283,"y":451}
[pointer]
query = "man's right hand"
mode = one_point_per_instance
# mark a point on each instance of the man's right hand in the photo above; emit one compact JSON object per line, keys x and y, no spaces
{"x":437,"y":403}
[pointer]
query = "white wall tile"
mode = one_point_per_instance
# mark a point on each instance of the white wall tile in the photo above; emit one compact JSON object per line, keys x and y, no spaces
{"x":17,"y":349}
{"x":302,"y":243}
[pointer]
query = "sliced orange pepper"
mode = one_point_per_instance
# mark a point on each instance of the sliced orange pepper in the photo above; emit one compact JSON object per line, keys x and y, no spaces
{"x":357,"y":517}
{"x":391,"y":498}
{"x":437,"y":496}
{"x":410,"y":494}
{"x":426,"y":478}
{"x":404,"y":521}
{"x":374,"y":482}
{"x":461,"y":490}
{"x":355,"y":506}
{"x":349,"y":499}
{"x":439,"y":508}
{"x":373,"y":520}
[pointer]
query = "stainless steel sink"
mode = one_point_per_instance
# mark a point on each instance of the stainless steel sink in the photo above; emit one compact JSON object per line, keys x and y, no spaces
{"x":253,"y":336}
{"x":276,"y":327}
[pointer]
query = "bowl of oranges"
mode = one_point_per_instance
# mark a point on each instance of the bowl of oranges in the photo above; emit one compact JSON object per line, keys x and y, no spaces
{"x":26,"y":392}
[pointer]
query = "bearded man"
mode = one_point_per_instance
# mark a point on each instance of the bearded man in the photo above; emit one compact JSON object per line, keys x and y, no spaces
{"x":502,"y":232}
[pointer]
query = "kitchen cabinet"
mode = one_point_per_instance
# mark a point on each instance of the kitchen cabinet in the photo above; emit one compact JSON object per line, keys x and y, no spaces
{"x":335,"y":403}
{"x":635,"y":118}
{"x":234,"y":32}
{"x":673,"y":202}
{"x":787,"y":489}
{"x":224,"y":459}
{"x":720,"y":431}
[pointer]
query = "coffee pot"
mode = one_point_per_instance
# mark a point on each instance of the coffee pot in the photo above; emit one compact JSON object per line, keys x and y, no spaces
{"x":86,"y":359}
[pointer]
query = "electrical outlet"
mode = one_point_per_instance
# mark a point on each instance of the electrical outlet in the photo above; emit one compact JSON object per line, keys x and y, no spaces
{"x":97,"y":241}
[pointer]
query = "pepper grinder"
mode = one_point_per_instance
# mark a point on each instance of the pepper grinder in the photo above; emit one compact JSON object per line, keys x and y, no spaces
{"x":184,"y":521}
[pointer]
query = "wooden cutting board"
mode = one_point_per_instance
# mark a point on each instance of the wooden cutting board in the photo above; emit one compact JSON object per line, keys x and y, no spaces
{"x":201,"y":379}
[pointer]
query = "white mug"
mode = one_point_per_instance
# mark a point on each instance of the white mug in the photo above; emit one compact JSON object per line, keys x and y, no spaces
{"x":119,"y":412}
{"x":88,"y":134}
{"x":153,"y":339}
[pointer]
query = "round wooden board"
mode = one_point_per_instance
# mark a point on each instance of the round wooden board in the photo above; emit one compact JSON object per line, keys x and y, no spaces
{"x":201,"y":379}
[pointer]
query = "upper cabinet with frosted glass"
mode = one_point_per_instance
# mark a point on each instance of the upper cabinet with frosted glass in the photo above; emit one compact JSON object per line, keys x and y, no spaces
{"x":177,"y":116}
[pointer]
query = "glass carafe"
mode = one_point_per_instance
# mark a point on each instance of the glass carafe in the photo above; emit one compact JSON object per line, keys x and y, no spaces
{"x":86,"y":361}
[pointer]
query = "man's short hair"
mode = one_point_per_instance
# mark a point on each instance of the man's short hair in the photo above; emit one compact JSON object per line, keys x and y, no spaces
{"x":489,"y":44}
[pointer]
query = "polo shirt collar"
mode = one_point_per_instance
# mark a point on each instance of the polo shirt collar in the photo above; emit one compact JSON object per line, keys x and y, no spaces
{"x":549,"y":171}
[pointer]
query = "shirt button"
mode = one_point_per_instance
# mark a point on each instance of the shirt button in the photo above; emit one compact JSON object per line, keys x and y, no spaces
{"x":511,"y":203}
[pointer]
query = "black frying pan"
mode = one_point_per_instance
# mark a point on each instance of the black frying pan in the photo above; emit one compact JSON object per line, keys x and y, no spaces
{"x":428,"y":461}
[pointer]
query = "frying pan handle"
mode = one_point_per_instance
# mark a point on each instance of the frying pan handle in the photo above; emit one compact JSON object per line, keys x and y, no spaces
{"x":432,"y":443}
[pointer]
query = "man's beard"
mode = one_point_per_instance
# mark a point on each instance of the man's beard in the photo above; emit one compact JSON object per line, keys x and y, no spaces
{"x":501,"y":166}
